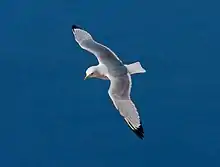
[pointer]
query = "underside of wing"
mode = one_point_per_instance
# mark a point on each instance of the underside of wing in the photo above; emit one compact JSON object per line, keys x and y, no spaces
{"x":128,"y":110}
{"x":103,"y":54}
{"x":138,"y":131}
{"x":119,"y":92}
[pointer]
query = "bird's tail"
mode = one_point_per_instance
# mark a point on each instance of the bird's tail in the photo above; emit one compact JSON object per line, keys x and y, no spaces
{"x":135,"y":68}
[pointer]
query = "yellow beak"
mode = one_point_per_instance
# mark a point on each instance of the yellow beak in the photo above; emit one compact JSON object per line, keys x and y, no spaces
{"x":86,"y":77}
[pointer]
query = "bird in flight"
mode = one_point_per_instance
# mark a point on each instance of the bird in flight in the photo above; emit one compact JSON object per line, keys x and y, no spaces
{"x":110,"y":67}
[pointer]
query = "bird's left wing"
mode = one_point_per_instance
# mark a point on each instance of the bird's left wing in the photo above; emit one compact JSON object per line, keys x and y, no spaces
{"x":119,"y":92}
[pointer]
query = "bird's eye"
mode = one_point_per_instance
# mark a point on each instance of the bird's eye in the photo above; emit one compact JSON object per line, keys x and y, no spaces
{"x":92,"y":73}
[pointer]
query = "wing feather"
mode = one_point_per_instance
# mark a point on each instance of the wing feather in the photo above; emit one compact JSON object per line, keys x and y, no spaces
{"x":104,"y":54}
{"x":119,"y":93}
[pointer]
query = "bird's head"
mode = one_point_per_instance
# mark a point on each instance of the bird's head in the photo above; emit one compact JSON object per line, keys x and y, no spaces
{"x":91,"y":72}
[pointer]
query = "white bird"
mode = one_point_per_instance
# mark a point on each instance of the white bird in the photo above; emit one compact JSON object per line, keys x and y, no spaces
{"x":111,"y":68}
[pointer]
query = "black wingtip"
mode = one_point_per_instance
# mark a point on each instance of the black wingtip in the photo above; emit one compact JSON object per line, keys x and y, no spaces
{"x":139,"y":132}
{"x":75,"y":27}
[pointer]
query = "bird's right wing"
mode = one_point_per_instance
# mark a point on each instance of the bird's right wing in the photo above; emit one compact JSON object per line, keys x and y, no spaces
{"x":102,"y":53}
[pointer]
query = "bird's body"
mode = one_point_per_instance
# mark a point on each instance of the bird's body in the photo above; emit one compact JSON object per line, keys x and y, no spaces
{"x":111,"y":68}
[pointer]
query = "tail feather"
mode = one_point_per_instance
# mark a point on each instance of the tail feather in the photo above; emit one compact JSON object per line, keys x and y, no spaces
{"x":135,"y":68}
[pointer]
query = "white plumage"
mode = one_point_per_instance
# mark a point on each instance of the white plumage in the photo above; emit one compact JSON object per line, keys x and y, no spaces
{"x":111,"y":67}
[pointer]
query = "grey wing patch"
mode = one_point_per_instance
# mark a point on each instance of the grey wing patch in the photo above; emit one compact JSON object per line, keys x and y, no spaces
{"x":119,"y":92}
{"x":103,"y":53}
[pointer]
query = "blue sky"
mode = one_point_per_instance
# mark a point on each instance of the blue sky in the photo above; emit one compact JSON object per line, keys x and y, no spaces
{"x":47,"y":114}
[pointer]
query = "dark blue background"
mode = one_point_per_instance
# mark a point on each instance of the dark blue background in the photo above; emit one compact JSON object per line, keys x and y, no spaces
{"x":48,"y":116}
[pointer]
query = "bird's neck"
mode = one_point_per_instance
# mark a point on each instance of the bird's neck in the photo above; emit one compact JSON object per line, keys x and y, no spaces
{"x":102,"y":69}
{"x":102,"y":72}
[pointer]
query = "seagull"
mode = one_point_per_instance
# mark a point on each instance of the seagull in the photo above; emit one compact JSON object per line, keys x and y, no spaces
{"x":110,"y":67}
